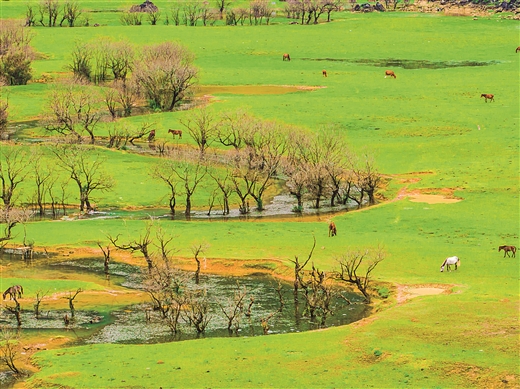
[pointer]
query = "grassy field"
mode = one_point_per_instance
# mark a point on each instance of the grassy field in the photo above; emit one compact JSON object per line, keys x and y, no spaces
{"x":428,"y":129}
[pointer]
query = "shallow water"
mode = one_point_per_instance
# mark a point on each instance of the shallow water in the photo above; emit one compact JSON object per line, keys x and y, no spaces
{"x":129,"y":325}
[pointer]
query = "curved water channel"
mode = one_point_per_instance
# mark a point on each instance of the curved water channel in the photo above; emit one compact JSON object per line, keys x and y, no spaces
{"x":129,"y":324}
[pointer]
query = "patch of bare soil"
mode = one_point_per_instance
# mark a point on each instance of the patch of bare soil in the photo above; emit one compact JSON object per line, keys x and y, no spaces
{"x":407,"y":292}
{"x":429,"y":195}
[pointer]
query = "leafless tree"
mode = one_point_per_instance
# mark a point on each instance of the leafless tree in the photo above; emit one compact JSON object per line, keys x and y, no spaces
{"x":10,"y":219}
{"x":258,"y":10}
{"x":233,"y":308}
{"x":153,"y":17}
{"x":264,"y":321}
{"x":30,"y":15}
{"x":142,"y":244}
{"x":362,"y":261}
{"x":9,"y":347}
{"x":165,"y":171}
{"x":298,"y":268}
{"x":330,"y":6}
{"x":266,"y":150}
{"x":81,"y":57}
{"x":74,"y":109}
{"x":16,"y":53}
{"x":106,"y":256}
{"x":71,"y":13}
{"x":49,"y":9}
{"x":13,"y":172}
{"x":197,"y":249}
{"x":222,"y":5}
{"x":165,"y":73}
{"x":84,"y":165}
{"x":71,"y":297}
{"x":318,"y":292}
{"x":121,"y":57}
{"x":40,"y":294}
{"x":190,"y":173}
{"x":224,"y":184}
{"x":191,"y":12}
{"x":202,"y":126}
{"x":42,"y":175}
{"x":235,"y":127}
{"x":197,"y":310}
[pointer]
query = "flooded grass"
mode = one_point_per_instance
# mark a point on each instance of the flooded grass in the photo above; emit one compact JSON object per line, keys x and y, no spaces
{"x":407,"y":63}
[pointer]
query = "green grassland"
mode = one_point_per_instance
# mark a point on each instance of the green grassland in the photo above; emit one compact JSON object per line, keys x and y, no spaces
{"x":426,"y":120}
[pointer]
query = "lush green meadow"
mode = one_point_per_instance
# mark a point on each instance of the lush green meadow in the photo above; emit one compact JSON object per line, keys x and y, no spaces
{"x":429,"y":120}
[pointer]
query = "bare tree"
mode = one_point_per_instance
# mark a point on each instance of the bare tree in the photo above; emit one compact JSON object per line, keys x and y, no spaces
{"x":225,"y":186}
{"x":142,"y":244}
{"x":10,"y":218}
{"x":233,"y":308}
{"x":222,"y":5}
{"x":202,"y":126}
{"x":13,"y":171}
{"x":350,"y":264}
{"x":49,"y":9}
{"x":30,"y":16}
{"x":235,"y":127}
{"x":298,"y":268}
{"x":71,"y":13}
{"x":165,"y":171}
{"x":9,"y":345}
{"x":74,"y":109}
{"x":81,"y":60}
{"x":318,"y":292}
{"x":84,"y":165}
{"x":42,"y":179}
{"x":197,"y":309}
{"x":197,"y":249}
{"x":40,"y":294}
{"x":165,"y":73}
{"x":190,"y":173}
{"x":106,"y":256}
{"x":71,"y":297}
{"x":16,"y":53}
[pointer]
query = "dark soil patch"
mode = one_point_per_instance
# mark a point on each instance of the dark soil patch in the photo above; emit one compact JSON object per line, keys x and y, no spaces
{"x":407,"y":63}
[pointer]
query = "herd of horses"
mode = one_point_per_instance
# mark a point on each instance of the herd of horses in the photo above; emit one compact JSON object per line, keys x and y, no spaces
{"x":456,"y":261}
{"x":391,"y":73}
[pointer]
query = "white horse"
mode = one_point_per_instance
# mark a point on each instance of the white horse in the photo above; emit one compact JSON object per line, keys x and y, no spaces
{"x":450,"y":261}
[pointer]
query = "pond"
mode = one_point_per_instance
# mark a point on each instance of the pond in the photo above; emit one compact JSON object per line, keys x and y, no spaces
{"x":129,"y":324}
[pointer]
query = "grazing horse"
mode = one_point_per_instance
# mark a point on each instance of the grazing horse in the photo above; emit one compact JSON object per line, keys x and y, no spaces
{"x":390,"y":73}
{"x":507,"y":249}
{"x":286,"y":57}
{"x":517,"y":49}
{"x":488,"y":96}
{"x":324,"y":72}
{"x":12,"y":291}
{"x":175,"y":132}
{"x":450,"y":261}
{"x":332,"y":229}
{"x":151,"y":136}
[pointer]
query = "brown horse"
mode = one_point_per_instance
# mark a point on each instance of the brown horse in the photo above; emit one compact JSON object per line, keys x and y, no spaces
{"x":332,"y":229}
{"x":151,"y":136}
{"x":390,"y":73}
{"x":13,"y":291}
{"x":175,"y":132}
{"x":488,"y":96}
{"x":507,"y":249}
{"x":324,"y":72}
{"x":286,"y":57}
{"x":517,"y":49}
